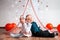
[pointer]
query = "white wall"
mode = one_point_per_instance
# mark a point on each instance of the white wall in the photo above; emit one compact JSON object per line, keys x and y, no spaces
{"x":10,"y":10}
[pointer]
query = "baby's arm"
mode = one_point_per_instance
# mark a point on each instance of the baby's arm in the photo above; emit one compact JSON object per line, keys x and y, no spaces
{"x":28,"y":28}
{"x":16,"y":29}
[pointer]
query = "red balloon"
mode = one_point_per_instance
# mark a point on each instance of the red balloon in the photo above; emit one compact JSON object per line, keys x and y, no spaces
{"x":58,"y":28}
{"x":49,"y":26}
{"x":14,"y":25}
{"x":10,"y":26}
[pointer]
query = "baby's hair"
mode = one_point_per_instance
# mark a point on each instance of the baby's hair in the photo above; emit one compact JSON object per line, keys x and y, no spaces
{"x":28,"y":15}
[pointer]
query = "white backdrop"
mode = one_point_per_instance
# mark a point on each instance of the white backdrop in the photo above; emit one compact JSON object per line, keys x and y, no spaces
{"x":48,"y":11}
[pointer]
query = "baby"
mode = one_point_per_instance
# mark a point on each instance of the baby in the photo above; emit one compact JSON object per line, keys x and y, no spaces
{"x":20,"y":29}
{"x":25,"y":27}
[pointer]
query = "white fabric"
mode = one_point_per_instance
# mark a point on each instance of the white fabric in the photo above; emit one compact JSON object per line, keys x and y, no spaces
{"x":16,"y":35}
{"x":26,"y":29}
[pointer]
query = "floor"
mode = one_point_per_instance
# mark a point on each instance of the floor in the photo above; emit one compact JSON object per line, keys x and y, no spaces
{"x":5,"y":36}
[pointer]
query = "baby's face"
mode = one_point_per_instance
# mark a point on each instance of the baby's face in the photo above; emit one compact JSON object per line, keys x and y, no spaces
{"x":22,"y":20}
{"x":28,"y":19}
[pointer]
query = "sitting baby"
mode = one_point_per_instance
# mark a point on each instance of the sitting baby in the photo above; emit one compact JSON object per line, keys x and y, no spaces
{"x":23,"y":28}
